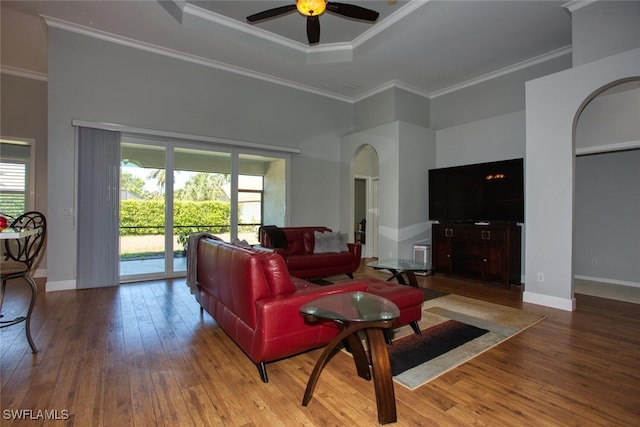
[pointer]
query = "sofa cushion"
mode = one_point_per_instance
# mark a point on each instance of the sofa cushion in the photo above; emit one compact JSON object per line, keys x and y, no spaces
{"x":308,"y":240}
{"x":303,"y":262}
{"x":401,"y":295}
{"x":329,"y":242}
{"x":311,"y":262}
{"x":295,"y":244}
{"x":277,"y":275}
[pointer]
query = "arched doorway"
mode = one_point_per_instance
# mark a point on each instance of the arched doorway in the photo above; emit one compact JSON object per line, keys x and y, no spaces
{"x":553,"y":104}
{"x":606,"y":199}
{"x":365,"y":172}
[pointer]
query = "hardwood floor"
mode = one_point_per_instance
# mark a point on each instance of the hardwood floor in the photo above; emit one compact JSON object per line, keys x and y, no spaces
{"x":141,"y":355}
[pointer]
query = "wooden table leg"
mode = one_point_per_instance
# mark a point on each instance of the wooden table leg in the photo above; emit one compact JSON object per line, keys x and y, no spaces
{"x":380,"y":365}
{"x":324,"y":357}
{"x":413,"y":281}
{"x":399,"y":276}
{"x":359,"y":356}
{"x":382,"y":378}
{"x":395,"y":274}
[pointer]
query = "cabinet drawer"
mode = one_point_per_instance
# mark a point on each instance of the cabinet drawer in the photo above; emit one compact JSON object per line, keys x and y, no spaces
{"x":489,"y":233}
{"x":449,"y":232}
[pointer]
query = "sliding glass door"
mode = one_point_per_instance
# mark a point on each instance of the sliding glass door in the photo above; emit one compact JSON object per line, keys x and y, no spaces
{"x":172,"y":189}
{"x":142,"y":209}
{"x":201,"y":199}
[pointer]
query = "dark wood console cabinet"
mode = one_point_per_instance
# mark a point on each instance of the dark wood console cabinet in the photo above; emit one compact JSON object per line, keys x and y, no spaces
{"x":485,"y":252}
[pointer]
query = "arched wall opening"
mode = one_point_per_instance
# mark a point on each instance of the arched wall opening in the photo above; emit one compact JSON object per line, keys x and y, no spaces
{"x":606,"y":241}
{"x":365,"y":168}
{"x":553,"y":104}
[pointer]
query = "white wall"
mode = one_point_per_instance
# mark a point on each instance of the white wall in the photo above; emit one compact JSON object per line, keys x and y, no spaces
{"x":552,"y":106}
{"x":496,"y":138}
{"x":384,"y":139}
{"x":607,"y":216}
{"x":405,"y":152}
{"x":417,"y":155}
{"x":607,"y":194}
{"x":98,"y":81}
{"x":611,"y":119}
{"x":315,"y":183}
{"x":604,"y":28}
{"x":23,"y":109}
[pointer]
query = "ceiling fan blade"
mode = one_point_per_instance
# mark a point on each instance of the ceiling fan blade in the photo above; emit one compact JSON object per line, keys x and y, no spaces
{"x":271,"y":13}
{"x":313,"y":29}
{"x":352,"y":11}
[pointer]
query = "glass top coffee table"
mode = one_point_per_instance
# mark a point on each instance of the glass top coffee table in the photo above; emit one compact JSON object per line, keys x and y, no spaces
{"x":353,"y":312}
{"x":401,"y":267}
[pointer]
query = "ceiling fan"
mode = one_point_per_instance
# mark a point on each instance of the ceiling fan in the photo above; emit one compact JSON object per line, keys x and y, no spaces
{"x":314,"y":8}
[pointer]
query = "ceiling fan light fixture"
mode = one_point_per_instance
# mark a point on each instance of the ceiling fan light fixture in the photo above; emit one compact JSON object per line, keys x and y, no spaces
{"x":311,"y":7}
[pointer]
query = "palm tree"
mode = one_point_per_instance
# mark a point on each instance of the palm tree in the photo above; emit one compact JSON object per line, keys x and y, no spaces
{"x":160,"y":176}
{"x":206,"y":186}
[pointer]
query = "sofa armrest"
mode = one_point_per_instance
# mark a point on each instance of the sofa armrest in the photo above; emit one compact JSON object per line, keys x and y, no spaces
{"x":355,"y":248}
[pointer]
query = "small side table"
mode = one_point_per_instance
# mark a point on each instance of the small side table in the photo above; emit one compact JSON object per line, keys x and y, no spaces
{"x":400,"y":267}
{"x":352,"y":312}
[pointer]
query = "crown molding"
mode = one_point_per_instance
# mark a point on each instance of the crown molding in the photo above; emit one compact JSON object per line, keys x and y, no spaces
{"x":574,"y":5}
{"x":329,"y":49}
{"x":392,"y":84}
{"x":148,"y":47}
{"x":196,"y":17}
{"x":504,"y":71}
{"x":21,"y":72}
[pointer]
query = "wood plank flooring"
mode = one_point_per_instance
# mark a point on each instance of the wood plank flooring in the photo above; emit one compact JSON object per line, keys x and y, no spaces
{"x":141,"y":355}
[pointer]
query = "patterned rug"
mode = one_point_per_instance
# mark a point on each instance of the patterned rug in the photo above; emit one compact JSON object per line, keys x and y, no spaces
{"x":455,"y":329}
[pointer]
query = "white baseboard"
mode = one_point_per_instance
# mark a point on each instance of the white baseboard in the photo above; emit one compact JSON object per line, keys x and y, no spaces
{"x":612,"y":281}
{"x":61,"y":285}
{"x":549,"y":301}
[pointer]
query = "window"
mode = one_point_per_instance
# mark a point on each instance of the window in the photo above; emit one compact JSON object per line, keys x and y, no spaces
{"x":218,"y":189}
{"x":16,"y":176}
{"x":250,"y":209}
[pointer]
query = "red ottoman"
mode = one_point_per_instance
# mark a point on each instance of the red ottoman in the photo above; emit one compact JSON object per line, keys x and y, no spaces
{"x":407,"y":298}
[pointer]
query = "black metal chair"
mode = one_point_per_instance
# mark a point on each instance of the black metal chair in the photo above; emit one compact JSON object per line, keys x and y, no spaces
{"x":20,"y":254}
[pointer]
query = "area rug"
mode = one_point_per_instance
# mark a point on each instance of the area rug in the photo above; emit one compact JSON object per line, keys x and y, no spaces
{"x":454,"y":329}
{"x":432,"y":293}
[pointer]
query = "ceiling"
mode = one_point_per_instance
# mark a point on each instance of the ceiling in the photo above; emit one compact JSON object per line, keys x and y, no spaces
{"x":429,"y":47}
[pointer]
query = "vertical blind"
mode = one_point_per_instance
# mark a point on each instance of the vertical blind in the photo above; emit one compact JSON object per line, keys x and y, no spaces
{"x":98,"y":204}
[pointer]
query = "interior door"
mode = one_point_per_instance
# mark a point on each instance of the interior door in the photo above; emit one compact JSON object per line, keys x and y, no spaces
{"x":374,"y":219}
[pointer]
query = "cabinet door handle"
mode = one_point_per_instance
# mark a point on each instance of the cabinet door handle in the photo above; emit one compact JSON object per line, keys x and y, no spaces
{"x":448,"y":232}
{"x":486,"y":234}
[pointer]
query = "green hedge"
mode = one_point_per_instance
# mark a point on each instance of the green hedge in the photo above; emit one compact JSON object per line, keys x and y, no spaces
{"x":146,"y":217}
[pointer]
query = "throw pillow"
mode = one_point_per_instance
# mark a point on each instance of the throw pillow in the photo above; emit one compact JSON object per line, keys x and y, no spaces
{"x":343,"y":242}
{"x":328,"y":242}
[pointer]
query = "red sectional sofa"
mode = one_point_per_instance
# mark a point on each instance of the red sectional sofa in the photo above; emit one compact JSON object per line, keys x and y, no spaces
{"x":252,"y":297}
{"x":302,"y":259}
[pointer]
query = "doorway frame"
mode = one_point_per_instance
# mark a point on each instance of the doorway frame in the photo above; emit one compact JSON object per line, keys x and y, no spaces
{"x":371,"y":208}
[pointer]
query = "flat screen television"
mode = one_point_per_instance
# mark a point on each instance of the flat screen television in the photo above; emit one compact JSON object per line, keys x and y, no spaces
{"x":483,"y":192}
